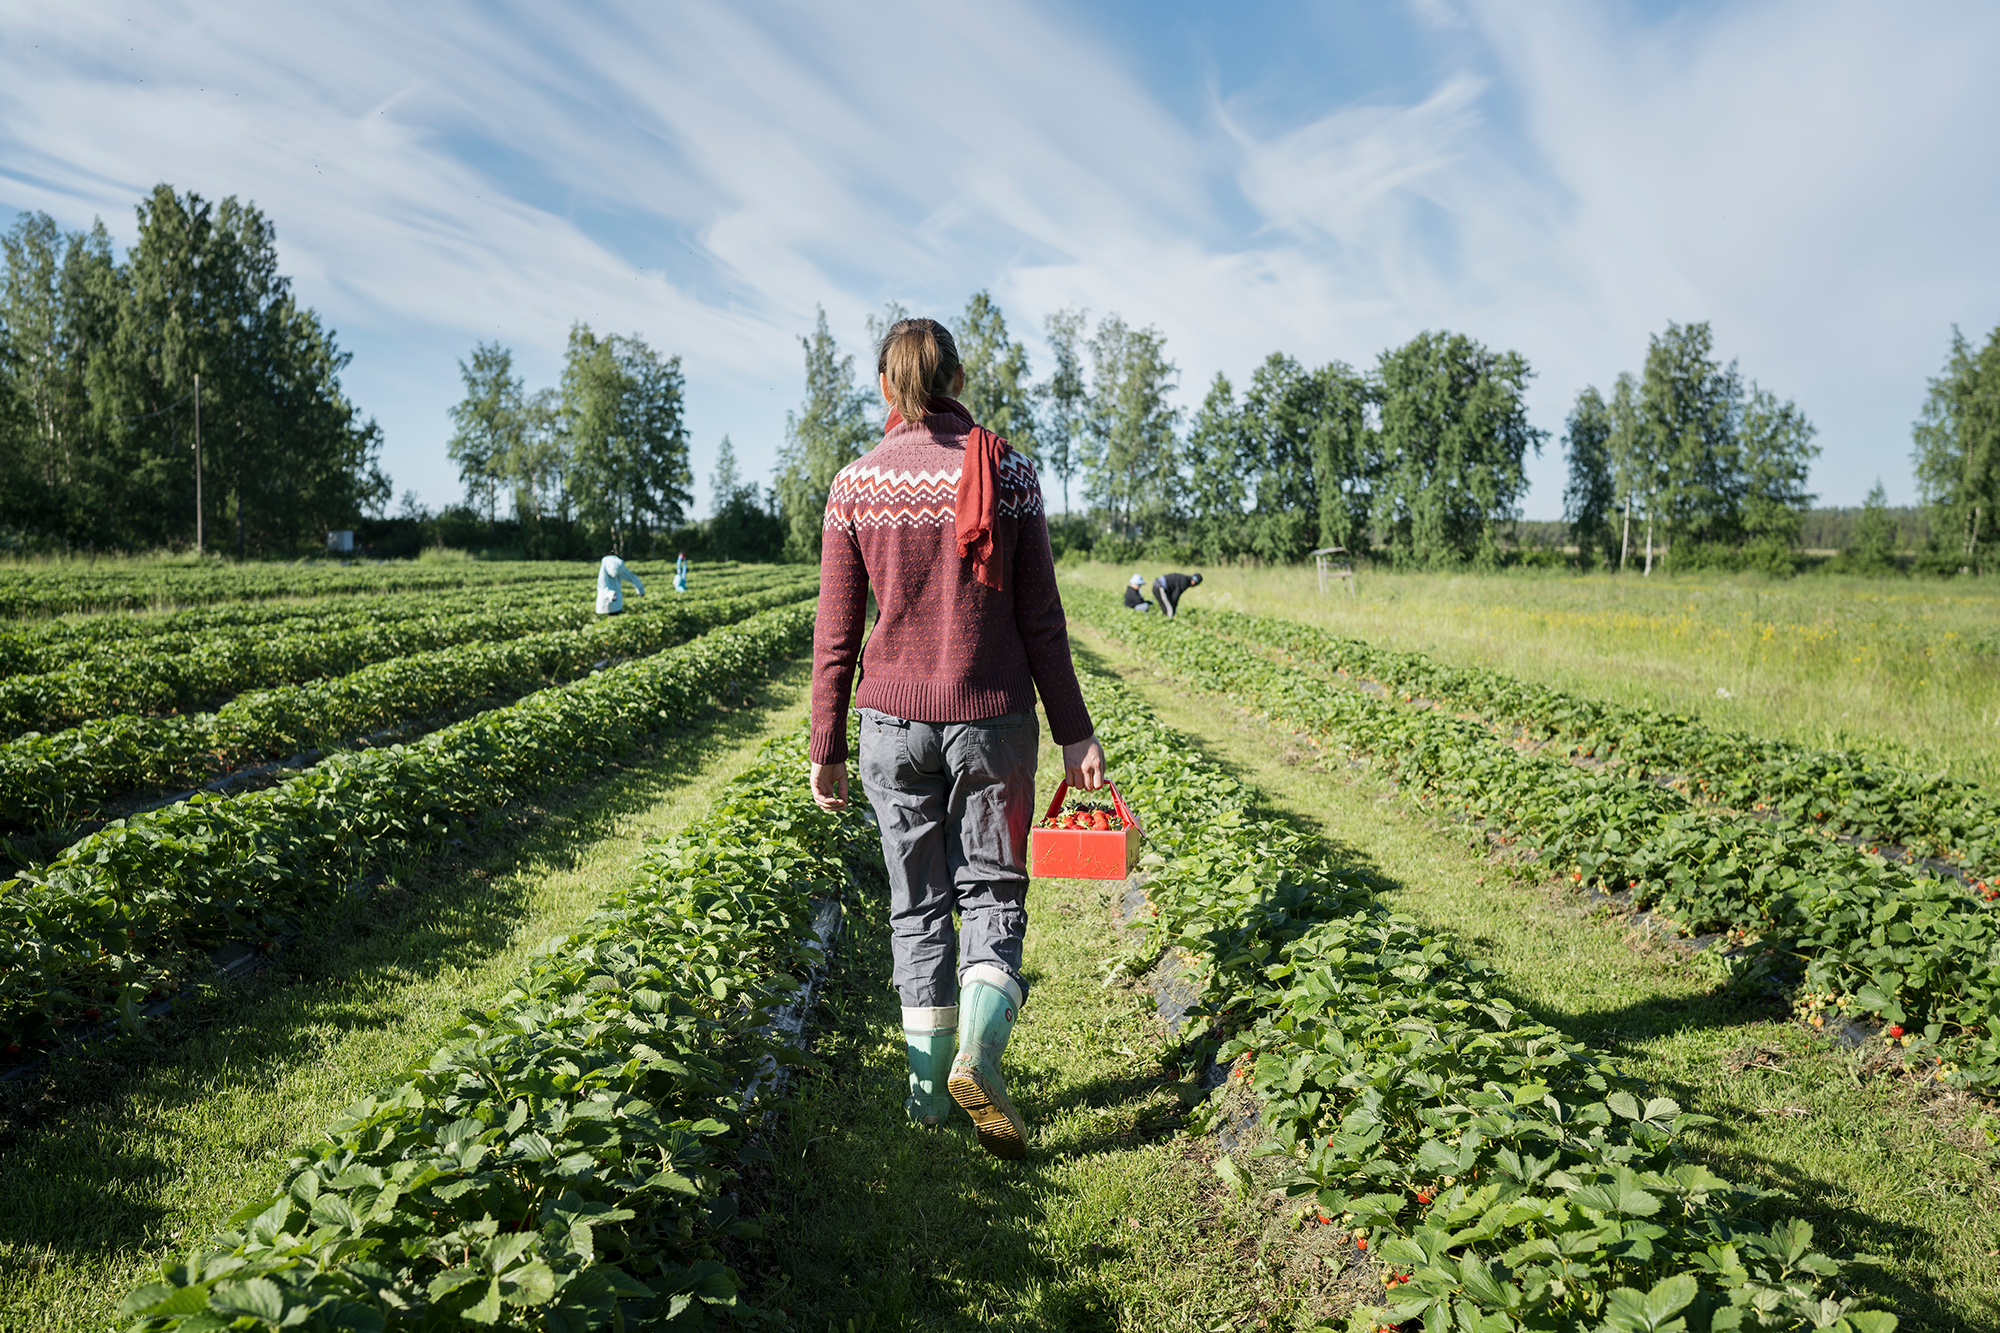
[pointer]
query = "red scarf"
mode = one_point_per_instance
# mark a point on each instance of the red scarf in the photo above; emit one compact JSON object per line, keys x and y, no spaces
{"x":977,"y":506}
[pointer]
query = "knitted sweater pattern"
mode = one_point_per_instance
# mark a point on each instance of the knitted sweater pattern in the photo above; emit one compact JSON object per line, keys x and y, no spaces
{"x":945,"y":647}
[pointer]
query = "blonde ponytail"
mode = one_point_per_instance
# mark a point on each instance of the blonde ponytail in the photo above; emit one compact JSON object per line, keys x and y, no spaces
{"x":919,"y":360}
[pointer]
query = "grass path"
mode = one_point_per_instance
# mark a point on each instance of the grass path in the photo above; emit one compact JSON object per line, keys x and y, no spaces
{"x":1114,"y":1219}
{"x":1872,"y":1162}
{"x":127,"y":1154}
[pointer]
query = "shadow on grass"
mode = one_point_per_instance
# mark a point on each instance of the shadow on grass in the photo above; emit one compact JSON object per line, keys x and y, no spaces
{"x":82,"y":1160}
{"x":1841,"y":1227}
{"x":876,"y":1224}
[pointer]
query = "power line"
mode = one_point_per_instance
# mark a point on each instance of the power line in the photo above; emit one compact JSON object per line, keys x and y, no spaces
{"x":147,"y":416}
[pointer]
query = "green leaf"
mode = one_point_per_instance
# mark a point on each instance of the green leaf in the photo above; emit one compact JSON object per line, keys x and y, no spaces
{"x":487,"y":1309}
{"x":1671,"y":1296}
{"x":259,"y":1297}
{"x":1869,"y":1321}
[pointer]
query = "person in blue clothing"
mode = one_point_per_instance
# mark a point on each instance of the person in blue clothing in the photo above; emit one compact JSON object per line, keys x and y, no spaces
{"x":1135,"y":594}
{"x":612,"y":576}
{"x":681,"y":568}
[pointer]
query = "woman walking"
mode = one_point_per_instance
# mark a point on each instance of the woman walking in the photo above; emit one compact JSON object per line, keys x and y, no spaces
{"x":945,"y":523}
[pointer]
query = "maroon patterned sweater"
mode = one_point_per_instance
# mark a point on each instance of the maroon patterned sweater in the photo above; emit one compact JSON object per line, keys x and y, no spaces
{"x":946,"y":648}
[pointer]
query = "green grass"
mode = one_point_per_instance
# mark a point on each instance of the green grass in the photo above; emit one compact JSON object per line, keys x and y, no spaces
{"x":1115,"y":1220}
{"x":129,"y":1153}
{"x":1878,"y":1164}
{"x":1908,"y":668}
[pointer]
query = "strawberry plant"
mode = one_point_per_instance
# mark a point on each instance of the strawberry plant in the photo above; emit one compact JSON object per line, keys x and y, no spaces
{"x":1508,"y":1177}
{"x":119,"y":910}
{"x":29,"y":647}
{"x":49,"y":781}
{"x":194,"y":671}
{"x":562,"y":1161}
{"x":1835,"y":790}
{"x":1891,"y":943}
{"x":26,"y":593}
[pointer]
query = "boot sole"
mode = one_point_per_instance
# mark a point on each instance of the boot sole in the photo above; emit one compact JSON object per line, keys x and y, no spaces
{"x":997,"y":1123}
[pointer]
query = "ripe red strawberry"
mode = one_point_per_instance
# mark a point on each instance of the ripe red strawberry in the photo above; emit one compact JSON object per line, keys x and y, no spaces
{"x":1098,"y":821}
{"x":93,"y":1014}
{"x":13,"y":1048}
{"x":1896,"y":1029}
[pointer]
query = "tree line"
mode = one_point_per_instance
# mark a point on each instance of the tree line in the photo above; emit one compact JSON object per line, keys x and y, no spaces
{"x":1699,"y":459}
{"x":1419,"y":459}
{"x":598,"y":460}
{"x":100,"y":357}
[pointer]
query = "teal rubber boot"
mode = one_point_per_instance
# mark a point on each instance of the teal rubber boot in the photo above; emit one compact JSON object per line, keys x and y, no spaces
{"x":989,"y":1002}
{"x":930,"y":1036}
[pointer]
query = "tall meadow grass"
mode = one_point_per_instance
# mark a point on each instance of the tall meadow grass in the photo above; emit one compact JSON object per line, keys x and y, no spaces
{"x":1908,"y":669}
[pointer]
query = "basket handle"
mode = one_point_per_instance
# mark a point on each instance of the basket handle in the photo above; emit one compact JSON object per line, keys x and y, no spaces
{"x":1117,"y":802}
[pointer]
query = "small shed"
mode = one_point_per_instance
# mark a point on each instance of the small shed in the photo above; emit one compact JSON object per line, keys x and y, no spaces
{"x":340,"y":541}
{"x":1334,"y":562}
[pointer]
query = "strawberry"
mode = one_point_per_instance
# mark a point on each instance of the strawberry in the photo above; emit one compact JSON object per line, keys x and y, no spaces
{"x":1098,"y":821}
{"x":13,"y":1048}
{"x":93,"y":1014}
{"x":1896,"y":1029}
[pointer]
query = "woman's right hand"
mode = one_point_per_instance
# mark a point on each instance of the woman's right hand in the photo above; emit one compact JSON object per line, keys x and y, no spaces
{"x":829,"y":786}
{"x":1083,"y":764}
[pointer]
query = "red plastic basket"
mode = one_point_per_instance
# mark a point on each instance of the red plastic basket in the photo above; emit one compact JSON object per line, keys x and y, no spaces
{"x":1067,"y":853}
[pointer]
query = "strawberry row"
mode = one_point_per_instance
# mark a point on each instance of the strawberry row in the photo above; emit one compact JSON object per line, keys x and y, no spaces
{"x":32,"y":647}
{"x":561,"y":1162}
{"x":1494,"y":1174}
{"x":53,"y":781}
{"x":35,"y":592}
{"x":1837,"y":790}
{"x":204,"y":670}
{"x":1888,"y":942}
{"x":110,"y":919}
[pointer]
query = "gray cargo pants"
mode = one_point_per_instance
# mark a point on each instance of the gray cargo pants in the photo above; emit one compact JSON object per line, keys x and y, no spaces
{"x":954,"y":801}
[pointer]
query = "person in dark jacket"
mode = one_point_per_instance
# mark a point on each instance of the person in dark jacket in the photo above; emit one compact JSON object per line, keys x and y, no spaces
{"x":1169,"y":588}
{"x":1135,"y":594}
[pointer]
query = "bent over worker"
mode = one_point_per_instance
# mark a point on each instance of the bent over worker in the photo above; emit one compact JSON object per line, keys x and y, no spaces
{"x":945,"y":523}
{"x":1170,"y":588}
{"x":612,"y":575}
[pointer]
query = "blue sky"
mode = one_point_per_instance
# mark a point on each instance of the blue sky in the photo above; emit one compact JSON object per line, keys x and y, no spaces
{"x":1814,"y":178}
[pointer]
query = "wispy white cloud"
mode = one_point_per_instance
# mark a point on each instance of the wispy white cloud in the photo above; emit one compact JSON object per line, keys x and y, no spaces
{"x":1810,"y":177}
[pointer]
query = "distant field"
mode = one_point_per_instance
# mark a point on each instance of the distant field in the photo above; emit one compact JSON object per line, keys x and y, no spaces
{"x":1909,"y":669}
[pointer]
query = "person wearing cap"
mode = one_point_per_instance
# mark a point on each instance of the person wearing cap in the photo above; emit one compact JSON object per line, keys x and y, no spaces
{"x":1135,"y":594}
{"x":612,"y":576}
{"x":945,"y":525}
{"x":1169,"y":588}
{"x":681,"y":568}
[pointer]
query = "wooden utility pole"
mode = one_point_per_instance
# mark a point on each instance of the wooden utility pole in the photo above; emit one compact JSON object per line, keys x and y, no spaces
{"x":197,"y":465}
